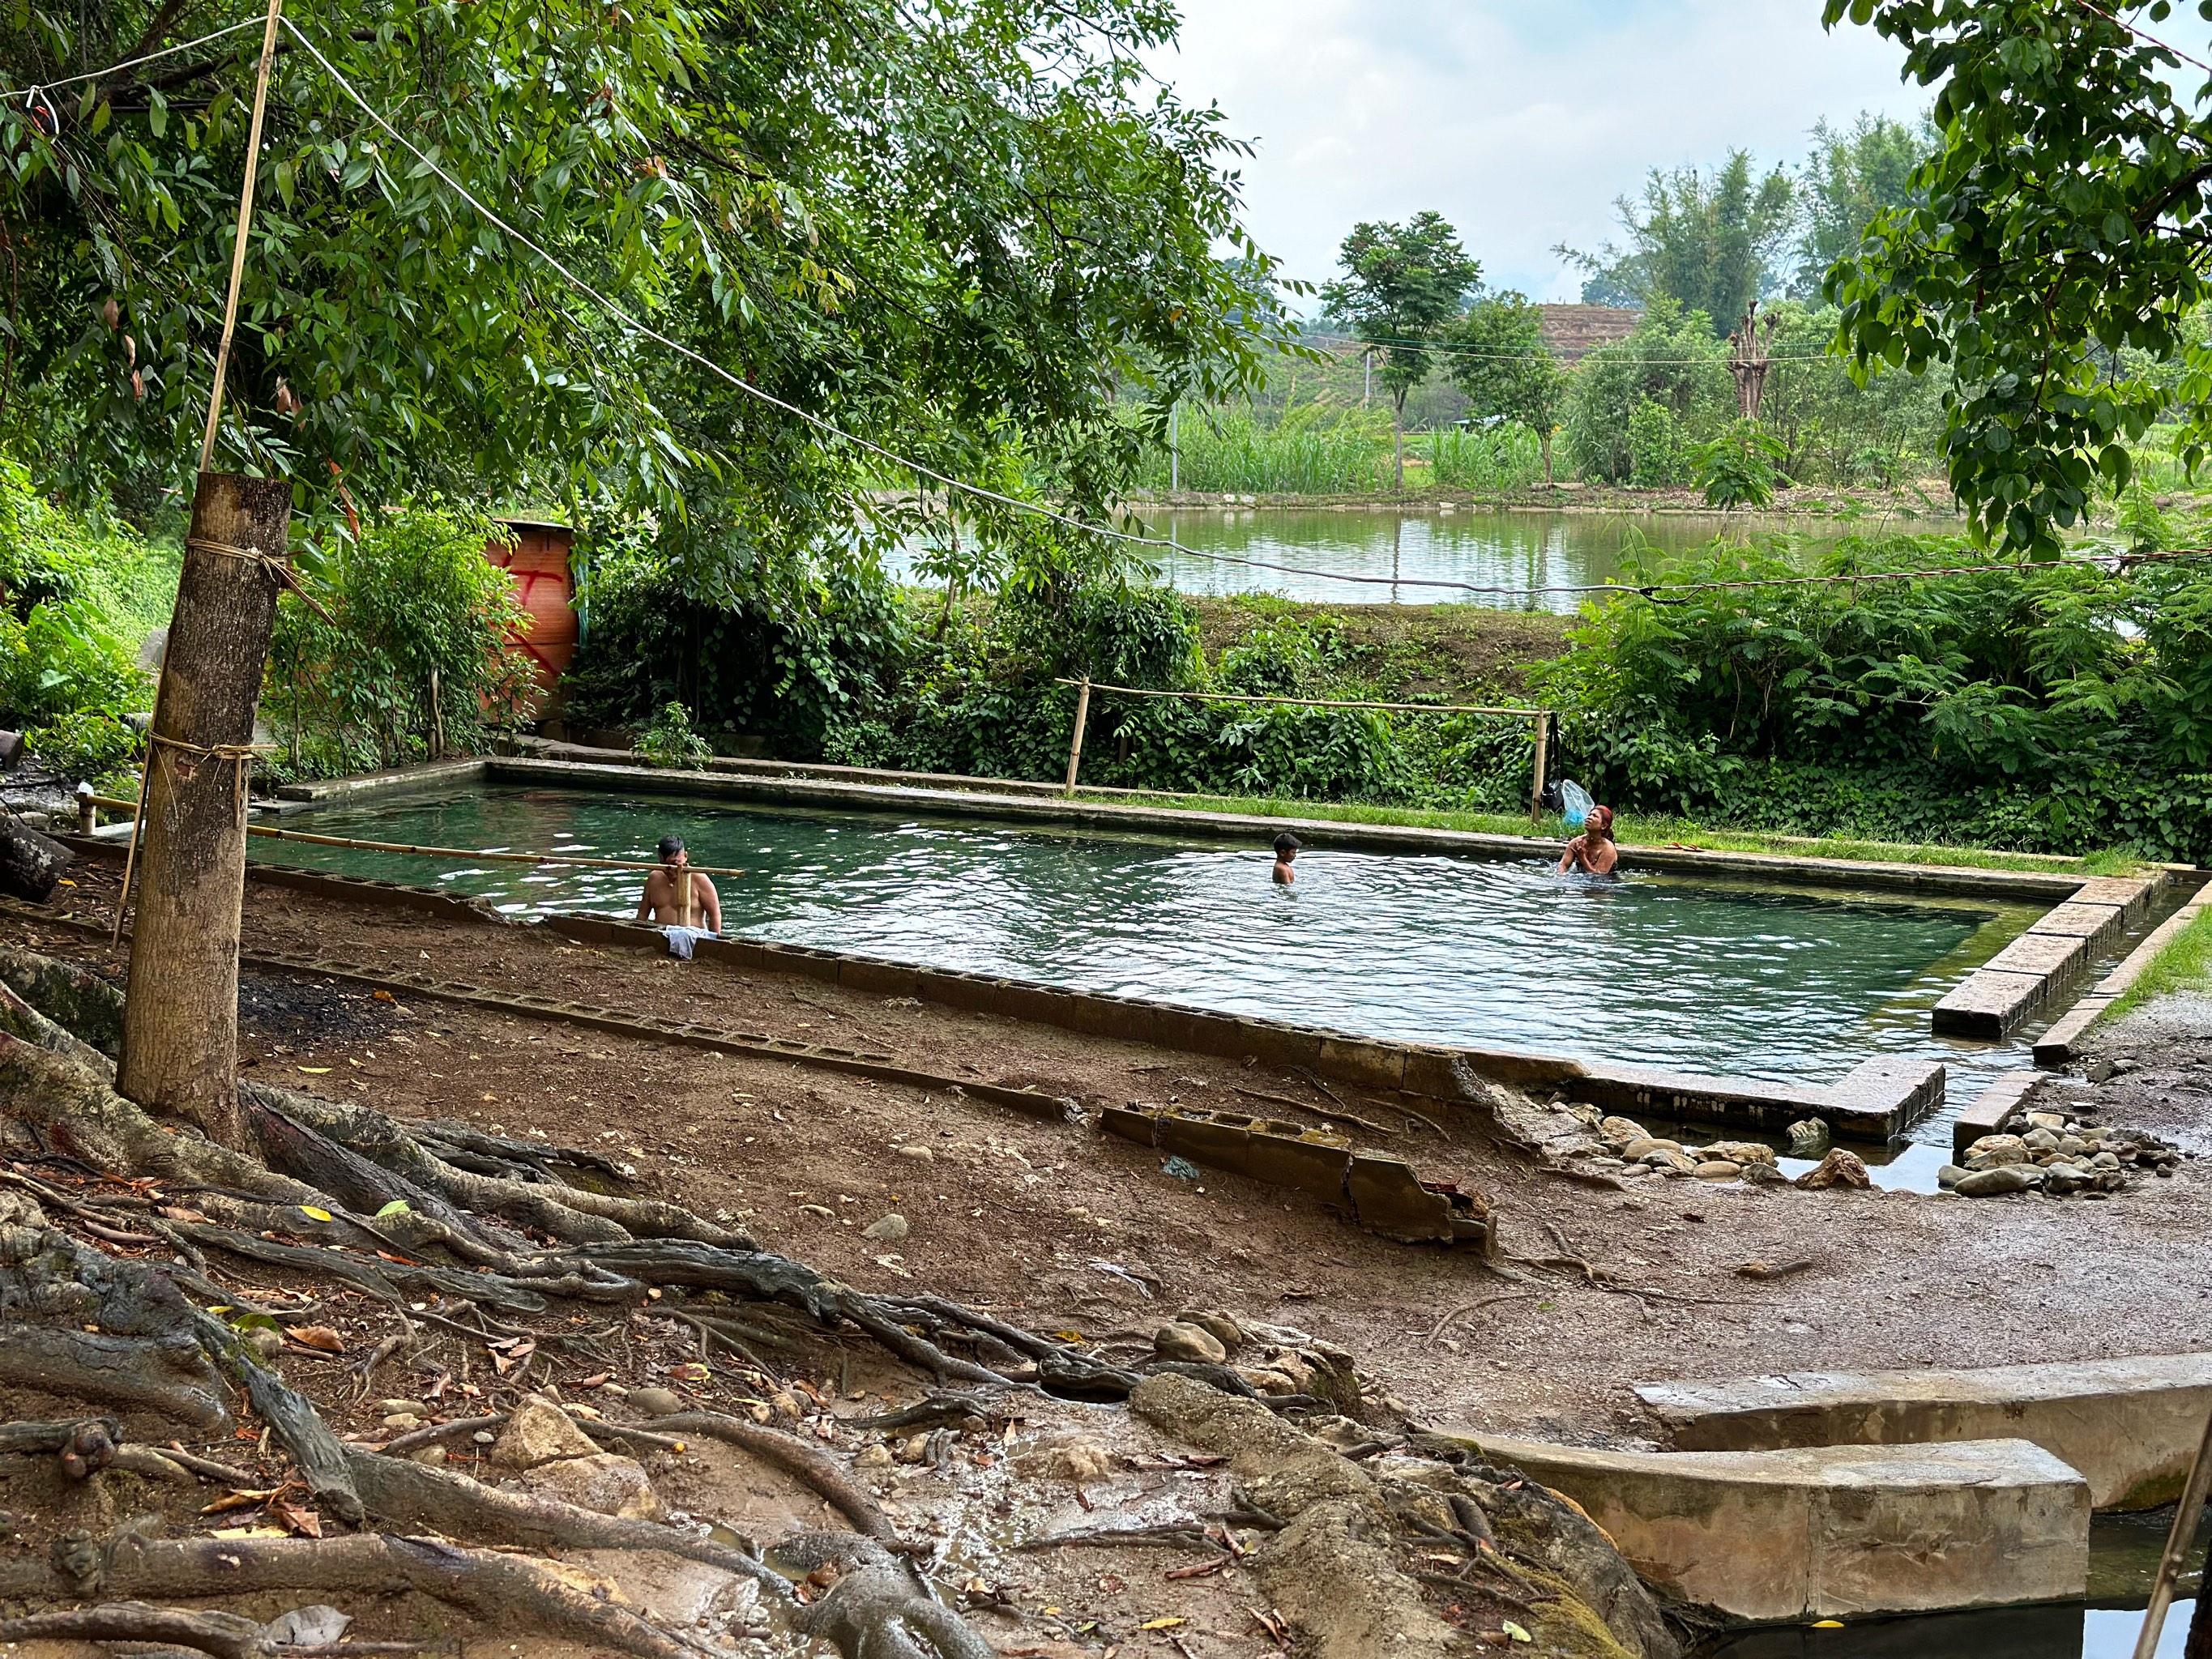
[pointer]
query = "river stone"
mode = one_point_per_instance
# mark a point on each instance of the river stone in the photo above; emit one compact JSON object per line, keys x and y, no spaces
{"x":1999,"y":1149}
{"x":887,"y":1230}
{"x":1224,"y":1328}
{"x":2005,"y":1178}
{"x":1718,"y":1168}
{"x":1951,"y":1175}
{"x":657,"y":1402}
{"x":1740,"y":1152}
{"x":1189,"y":1343}
{"x":1808,"y":1136}
{"x":2039,"y":1141}
{"x":2047,"y":1120}
{"x":1838,"y":1168}
{"x":539,"y":1433}
{"x":1645,"y":1147}
{"x":1764,"y":1175}
{"x":1622,"y":1129}
{"x":604,"y":1483}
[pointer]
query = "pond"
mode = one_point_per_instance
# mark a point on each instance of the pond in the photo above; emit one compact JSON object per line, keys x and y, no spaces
{"x":1513,"y":553}
{"x":1794,"y":986}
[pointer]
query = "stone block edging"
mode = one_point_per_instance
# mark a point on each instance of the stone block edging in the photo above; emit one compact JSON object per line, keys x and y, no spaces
{"x":1997,"y":998}
{"x":1836,"y":1532}
{"x":2057,"y":1045}
{"x":2129,"y":1425}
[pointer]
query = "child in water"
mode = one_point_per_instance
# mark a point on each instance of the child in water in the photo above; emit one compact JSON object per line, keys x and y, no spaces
{"x":1593,"y":853}
{"x":1287,"y":849}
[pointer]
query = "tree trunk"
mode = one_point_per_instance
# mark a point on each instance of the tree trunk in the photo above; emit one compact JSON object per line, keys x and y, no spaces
{"x":30,"y":864}
{"x":1545,"y":439}
{"x":2200,"y":1628}
{"x":1398,"y":442}
{"x":181,"y":1026}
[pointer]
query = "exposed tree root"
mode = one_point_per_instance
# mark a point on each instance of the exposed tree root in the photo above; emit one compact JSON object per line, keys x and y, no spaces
{"x":312,"y":1204}
{"x":502,"y":1589}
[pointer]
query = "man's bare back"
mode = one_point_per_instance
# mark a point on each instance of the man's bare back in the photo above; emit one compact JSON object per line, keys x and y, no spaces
{"x":676,"y":896}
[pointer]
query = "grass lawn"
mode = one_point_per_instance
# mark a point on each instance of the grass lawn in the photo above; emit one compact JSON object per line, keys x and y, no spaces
{"x":2185,"y":964}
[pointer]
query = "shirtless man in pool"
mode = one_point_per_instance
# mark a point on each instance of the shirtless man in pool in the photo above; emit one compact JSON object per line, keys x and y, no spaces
{"x":676,"y":896}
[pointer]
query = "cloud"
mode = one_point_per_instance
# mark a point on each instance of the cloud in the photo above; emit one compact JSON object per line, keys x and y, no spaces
{"x":1520,"y":121}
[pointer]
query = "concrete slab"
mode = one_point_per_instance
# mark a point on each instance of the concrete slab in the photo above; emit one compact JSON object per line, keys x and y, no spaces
{"x":2129,"y":1425}
{"x":1990,"y":1111}
{"x":2094,"y":923}
{"x":1989,"y":1004}
{"x":2131,"y":894}
{"x":2048,"y":954}
{"x":1900,"y":1091}
{"x":2057,"y":1046}
{"x":1832,"y":1532}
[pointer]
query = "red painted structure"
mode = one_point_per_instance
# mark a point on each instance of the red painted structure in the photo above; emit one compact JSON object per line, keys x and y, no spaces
{"x":538,"y":563}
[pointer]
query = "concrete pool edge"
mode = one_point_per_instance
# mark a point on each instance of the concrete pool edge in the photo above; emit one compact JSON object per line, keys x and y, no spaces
{"x":2050,"y":888}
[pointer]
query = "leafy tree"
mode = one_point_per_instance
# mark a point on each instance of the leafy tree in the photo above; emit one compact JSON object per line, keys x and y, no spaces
{"x":1402,"y":285}
{"x":2060,"y":226}
{"x":1672,"y":360}
{"x":1738,"y":468}
{"x":1507,"y":370}
{"x":934,"y":226}
{"x":1710,"y":242}
{"x":1832,"y":426}
{"x":1854,"y":174}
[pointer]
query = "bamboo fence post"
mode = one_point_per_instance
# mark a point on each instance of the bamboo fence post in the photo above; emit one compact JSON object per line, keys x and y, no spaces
{"x":2178,"y":1541}
{"x":1543,"y":756}
{"x":1075,"y":739}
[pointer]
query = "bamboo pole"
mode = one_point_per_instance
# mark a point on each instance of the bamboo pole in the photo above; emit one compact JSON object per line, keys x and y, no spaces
{"x":437,"y":721}
{"x":1310,"y":702}
{"x":2178,"y":1541}
{"x":245,"y":221}
{"x":1543,"y":756}
{"x":465,"y":854}
{"x":1075,"y":739}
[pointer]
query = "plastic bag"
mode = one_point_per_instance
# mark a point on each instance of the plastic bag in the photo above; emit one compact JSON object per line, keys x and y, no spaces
{"x":1575,"y":803}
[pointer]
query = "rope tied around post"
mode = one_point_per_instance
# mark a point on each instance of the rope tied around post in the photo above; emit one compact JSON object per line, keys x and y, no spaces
{"x":279,"y":567}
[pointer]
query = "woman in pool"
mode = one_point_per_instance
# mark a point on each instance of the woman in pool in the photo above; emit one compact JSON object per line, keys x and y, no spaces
{"x":1593,"y":853}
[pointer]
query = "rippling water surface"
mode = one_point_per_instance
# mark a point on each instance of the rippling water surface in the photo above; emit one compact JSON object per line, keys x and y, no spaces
{"x":1779,"y":984}
{"x":1513,"y":553}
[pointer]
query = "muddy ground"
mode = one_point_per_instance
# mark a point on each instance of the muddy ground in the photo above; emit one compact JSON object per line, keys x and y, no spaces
{"x":1064,"y":1228}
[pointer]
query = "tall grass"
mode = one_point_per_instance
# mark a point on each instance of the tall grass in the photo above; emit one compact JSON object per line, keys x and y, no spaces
{"x":1314,"y":450}
{"x":1504,"y":458}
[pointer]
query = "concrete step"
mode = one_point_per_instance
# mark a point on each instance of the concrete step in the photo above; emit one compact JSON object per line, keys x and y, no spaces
{"x":2129,"y":1425}
{"x":1833,"y":1532}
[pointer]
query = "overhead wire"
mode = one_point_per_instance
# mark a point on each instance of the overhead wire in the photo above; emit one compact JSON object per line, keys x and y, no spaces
{"x":637,"y":325}
{"x":36,"y":88}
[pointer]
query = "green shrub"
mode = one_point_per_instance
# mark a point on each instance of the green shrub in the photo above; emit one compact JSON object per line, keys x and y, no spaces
{"x":68,"y":594}
{"x":1654,"y":448}
{"x":1314,"y":449}
{"x":1738,"y":468}
{"x":670,"y":741}
{"x":1671,"y":360}
{"x":85,"y":747}
{"x":413,"y":597}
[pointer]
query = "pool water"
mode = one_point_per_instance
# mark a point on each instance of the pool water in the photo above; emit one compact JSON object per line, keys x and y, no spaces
{"x":1789,"y":985}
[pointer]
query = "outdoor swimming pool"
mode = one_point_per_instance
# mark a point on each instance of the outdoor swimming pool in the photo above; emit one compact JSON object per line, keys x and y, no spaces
{"x":1790,"y":985}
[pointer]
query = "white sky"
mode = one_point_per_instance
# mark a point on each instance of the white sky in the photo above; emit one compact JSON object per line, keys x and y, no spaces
{"x":1519,"y":120}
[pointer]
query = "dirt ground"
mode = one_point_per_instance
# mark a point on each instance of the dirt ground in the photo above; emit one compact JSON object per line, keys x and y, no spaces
{"x":1066,"y":1229}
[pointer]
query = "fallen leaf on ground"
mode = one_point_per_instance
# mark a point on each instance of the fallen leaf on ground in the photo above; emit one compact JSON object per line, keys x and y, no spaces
{"x":306,"y":1523}
{"x":321,"y":1338}
{"x":238,"y":1500}
{"x":1162,"y":1624}
{"x":315,"y":1071}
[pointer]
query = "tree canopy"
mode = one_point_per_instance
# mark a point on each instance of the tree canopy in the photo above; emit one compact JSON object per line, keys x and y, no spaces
{"x":957,"y":228}
{"x":1506,"y":369}
{"x":1403,"y":286}
{"x":2051,"y":256}
{"x":1709,"y":241}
